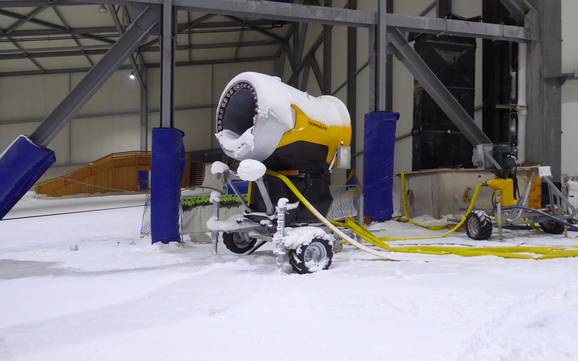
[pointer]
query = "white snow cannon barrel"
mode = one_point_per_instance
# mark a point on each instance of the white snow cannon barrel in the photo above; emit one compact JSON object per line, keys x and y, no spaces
{"x":259,"y":117}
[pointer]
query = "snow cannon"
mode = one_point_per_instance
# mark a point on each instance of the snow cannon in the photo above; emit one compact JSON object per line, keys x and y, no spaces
{"x":289,"y":131}
{"x":267,"y":125}
{"x":259,"y":117}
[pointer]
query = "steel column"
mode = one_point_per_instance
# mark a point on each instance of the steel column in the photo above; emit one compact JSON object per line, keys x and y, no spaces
{"x":381,"y":57}
{"x":168,"y":64}
{"x":371,"y":60}
{"x":352,"y":83}
{"x":144,"y":112}
{"x":98,"y":74}
{"x":436,"y":89}
{"x":544,"y":122}
{"x":444,"y":8}
{"x":517,"y":8}
{"x":327,"y":54}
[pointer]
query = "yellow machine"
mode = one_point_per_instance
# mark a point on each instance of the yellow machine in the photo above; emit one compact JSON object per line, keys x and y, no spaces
{"x":506,"y":188}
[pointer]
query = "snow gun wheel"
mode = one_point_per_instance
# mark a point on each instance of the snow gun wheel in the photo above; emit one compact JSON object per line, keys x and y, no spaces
{"x":312,"y":257}
{"x":552,"y":227}
{"x":479,"y":225}
{"x":238,"y":242}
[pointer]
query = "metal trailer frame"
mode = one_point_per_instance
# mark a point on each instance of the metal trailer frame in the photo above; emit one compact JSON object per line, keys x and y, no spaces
{"x":561,"y":213}
{"x":539,"y":27}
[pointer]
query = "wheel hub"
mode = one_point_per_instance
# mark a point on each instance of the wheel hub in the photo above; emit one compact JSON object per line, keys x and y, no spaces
{"x":315,"y":253}
{"x":473,"y":225}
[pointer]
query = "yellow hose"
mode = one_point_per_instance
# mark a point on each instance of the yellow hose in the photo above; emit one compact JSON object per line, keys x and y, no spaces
{"x":444,"y":235}
{"x":516,"y":252}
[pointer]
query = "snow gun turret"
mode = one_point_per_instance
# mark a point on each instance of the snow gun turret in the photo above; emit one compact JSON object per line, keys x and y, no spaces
{"x":289,"y":131}
{"x":259,"y":117}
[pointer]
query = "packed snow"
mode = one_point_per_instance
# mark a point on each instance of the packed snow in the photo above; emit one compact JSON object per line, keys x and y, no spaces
{"x":251,"y":170}
{"x":237,"y":145}
{"x":84,"y":287}
{"x":295,"y":237}
{"x":218,"y":168}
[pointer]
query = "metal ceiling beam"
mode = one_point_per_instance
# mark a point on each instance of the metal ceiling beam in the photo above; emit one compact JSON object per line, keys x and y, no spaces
{"x":32,"y":3}
{"x":281,"y":11}
{"x":304,"y":61}
{"x":429,"y":8}
{"x":238,"y":46}
{"x":256,"y":28}
{"x":74,"y":37}
{"x":73,"y":102}
{"x":463,"y":28}
{"x":148,"y":66}
{"x":16,"y":25}
{"x":343,"y":17}
{"x":111,"y":29}
{"x":25,"y":54}
{"x":267,"y":10}
{"x":319,"y":76}
{"x":347,"y":17}
{"x":9,"y":30}
{"x":47,"y":24}
{"x":132,"y":57}
{"x":100,"y":50}
{"x":436,"y":89}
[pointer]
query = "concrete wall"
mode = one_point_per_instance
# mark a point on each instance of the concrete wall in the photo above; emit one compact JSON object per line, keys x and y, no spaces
{"x":110,"y":122}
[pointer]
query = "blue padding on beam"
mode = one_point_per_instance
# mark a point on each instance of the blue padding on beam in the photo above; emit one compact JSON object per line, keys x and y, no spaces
{"x":20,"y":167}
{"x":167,"y":165}
{"x":378,"y":151}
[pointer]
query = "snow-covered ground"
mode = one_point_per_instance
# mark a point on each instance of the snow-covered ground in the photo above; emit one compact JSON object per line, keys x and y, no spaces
{"x":85,"y":287}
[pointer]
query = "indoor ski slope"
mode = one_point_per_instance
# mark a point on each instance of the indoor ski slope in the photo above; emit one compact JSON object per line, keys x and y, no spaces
{"x":85,"y":287}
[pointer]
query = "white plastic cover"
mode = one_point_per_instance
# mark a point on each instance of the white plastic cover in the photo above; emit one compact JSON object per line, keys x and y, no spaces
{"x":275,"y":116}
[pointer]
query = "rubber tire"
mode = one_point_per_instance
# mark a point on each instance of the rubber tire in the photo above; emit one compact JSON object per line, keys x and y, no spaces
{"x":229,"y":242}
{"x":484,"y":221}
{"x":552,"y":227}
{"x":297,"y":261}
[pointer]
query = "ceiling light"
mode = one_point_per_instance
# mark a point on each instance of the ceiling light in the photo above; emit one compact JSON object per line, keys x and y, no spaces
{"x":102,"y":9}
{"x":131,"y":76}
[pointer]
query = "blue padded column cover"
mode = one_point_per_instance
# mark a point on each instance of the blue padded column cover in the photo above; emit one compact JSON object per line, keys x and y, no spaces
{"x":378,"y":151}
{"x":20,"y":167}
{"x":167,"y":165}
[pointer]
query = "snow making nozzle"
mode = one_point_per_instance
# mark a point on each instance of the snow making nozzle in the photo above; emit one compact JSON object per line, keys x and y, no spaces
{"x":238,"y":109}
{"x":259,"y":117}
